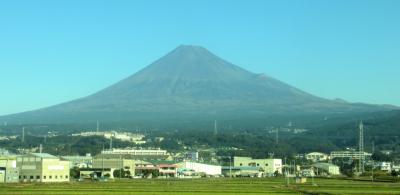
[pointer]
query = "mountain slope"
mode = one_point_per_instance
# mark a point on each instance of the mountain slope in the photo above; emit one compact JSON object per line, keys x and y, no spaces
{"x":190,"y":80}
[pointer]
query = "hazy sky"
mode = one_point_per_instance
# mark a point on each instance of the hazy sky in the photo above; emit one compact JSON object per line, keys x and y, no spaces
{"x":55,"y":51}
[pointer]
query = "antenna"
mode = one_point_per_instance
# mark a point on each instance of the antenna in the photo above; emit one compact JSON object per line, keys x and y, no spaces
{"x":361,"y":147}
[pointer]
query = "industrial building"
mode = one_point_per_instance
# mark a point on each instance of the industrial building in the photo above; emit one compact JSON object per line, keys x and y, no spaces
{"x":269,"y":166}
{"x":93,"y":173}
{"x":9,"y":172}
{"x":102,"y":162}
{"x":167,"y":170}
{"x":317,"y":156}
{"x":350,"y":154}
{"x":123,"y":136}
{"x":79,"y":161}
{"x":42,"y":167}
{"x":137,"y":154}
{"x":200,"y":168}
{"x":326,"y":168}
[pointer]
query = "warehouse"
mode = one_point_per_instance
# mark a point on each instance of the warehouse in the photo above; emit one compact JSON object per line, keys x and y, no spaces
{"x":42,"y":167}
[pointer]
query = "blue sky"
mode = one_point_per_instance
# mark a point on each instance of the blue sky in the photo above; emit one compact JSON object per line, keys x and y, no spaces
{"x":55,"y":51}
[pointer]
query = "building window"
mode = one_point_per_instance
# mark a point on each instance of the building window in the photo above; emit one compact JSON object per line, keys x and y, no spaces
{"x":19,"y":177}
{"x":37,"y":177}
{"x":55,"y":177}
{"x":44,"y":177}
{"x":50,"y":177}
{"x":241,"y":164}
{"x":24,"y":176}
{"x":66,"y":177}
{"x":266,"y":164}
{"x":258,"y":165}
{"x":31,"y":177}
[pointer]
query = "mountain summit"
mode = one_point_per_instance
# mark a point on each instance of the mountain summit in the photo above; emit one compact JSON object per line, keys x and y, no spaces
{"x":189,"y":81}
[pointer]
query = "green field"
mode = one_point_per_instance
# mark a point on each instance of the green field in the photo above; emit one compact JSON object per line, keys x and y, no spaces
{"x":204,"y":186}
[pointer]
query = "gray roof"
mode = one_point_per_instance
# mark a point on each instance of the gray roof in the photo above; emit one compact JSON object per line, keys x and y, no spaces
{"x":44,"y":155}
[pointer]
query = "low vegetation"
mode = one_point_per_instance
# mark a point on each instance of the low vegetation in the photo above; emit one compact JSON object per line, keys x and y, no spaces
{"x":221,"y":186}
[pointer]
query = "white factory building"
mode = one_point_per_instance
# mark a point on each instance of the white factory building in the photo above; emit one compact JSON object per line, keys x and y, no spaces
{"x":269,"y":166}
{"x":327,"y":168}
{"x":136,"y":152}
{"x":200,"y":168}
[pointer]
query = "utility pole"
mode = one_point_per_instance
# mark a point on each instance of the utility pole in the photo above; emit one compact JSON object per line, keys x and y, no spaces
{"x":23,"y":134}
{"x":122,"y":166}
{"x":102,"y":163}
{"x":373,"y":163}
{"x":312,"y":175}
{"x":215,"y":128}
{"x":230,"y":166}
{"x":111,"y":143}
{"x":361,"y":147}
{"x":287,"y":177}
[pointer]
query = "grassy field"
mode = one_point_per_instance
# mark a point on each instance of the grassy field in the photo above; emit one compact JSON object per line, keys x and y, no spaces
{"x":203,"y":186}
